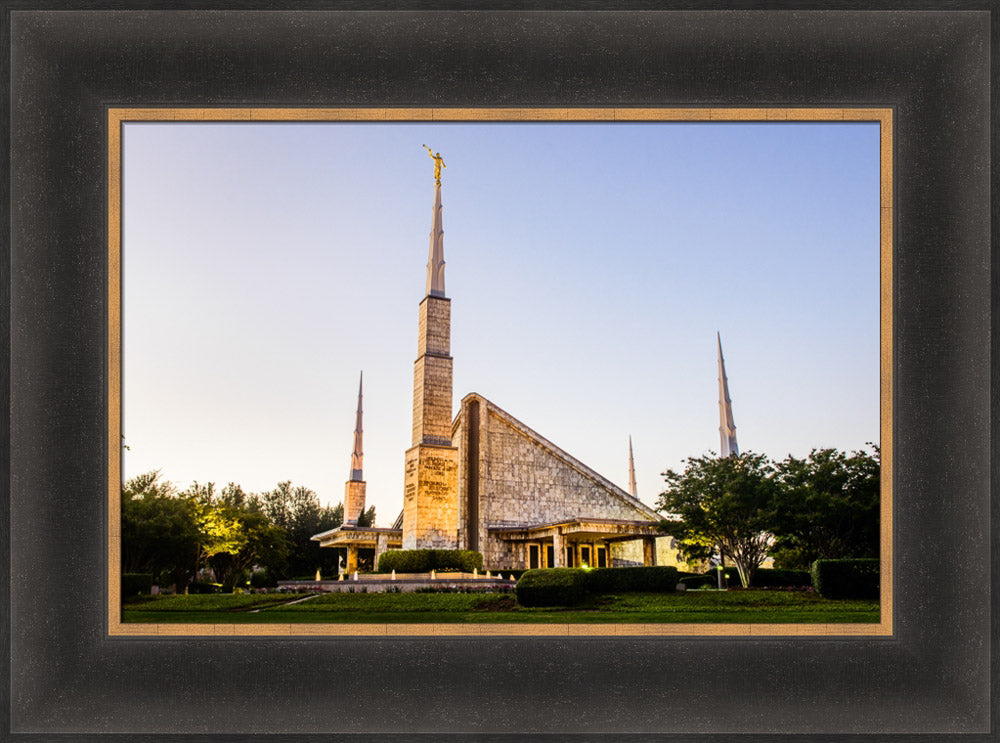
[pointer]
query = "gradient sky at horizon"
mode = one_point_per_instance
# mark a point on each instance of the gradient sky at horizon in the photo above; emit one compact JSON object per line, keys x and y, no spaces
{"x":590,"y":266}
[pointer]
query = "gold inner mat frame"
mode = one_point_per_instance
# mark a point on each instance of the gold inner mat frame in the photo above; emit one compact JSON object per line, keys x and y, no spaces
{"x":118,"y":116}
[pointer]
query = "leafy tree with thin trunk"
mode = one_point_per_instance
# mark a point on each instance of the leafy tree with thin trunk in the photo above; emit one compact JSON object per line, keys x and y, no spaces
{"x":725,"y":502}
{"x":240,"y":539}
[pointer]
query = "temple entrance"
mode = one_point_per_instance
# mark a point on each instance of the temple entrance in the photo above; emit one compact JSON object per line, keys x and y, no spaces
{"x":366,"y":560}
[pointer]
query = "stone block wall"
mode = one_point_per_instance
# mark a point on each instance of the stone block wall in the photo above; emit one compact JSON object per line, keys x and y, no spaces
{"x":666,"y":552}
{"x":430,"y":508}
{"x":434,"y":326}
{"x":432,"y":377}
{"x":432,"y":374}
{"x":354,"y":500}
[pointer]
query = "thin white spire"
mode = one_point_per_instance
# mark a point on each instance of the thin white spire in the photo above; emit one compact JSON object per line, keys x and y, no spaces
{"x":631,"y":471}
{"x":727,"y":428}
{"x":357,"y":456}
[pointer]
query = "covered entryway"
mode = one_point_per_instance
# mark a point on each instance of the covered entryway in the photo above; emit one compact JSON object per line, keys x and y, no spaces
{"x":578,"y":542}
{"x":357,"y":538}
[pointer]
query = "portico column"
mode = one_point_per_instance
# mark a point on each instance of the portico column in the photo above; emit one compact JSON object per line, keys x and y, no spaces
{"x":558,"y":550}
{"x":649,"y":550}
{"x":381,"y":545}
{"x":352,"y":558}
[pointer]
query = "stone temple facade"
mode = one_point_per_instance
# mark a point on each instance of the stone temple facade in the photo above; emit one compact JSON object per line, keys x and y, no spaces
{"x":485,"y":481}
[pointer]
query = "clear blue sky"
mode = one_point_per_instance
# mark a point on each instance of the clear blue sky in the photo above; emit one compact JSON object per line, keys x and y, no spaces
{"x":589,"y":267}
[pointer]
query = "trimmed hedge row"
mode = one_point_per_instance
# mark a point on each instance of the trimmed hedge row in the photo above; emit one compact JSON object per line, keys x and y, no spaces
{"x":775,"y":578}
{"x":135,"y":583}
{"x":424,"y":561}
{"x":205,"y":587}
{"x":846,"y":579}
{"x":762,"y":578}
{"x":620,"y":580}
{"x":570,"y":586}
{"x":552,"y":587}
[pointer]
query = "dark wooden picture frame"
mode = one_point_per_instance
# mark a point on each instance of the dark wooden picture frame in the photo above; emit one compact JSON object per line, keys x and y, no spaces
{"x":931,"y":676}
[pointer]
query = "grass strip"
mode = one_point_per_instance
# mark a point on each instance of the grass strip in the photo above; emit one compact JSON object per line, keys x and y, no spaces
{"x":741,"y":607}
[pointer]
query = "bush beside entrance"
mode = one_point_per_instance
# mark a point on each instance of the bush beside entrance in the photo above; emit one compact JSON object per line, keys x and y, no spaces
{"x":552,"y":587}
{"x":424,"y":561}
{"x":571,"y":586}
{"x":623,"y":580}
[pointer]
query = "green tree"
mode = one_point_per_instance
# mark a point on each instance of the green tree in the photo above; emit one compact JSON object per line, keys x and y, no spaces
{"x":241,"y":538}
{"x":160,"y":530}
{"x":827,"y":507}
{"x":722,"y":502}
{"x":367,"y":517}
{"x":233,"y":495}
{"x":297,"y":510}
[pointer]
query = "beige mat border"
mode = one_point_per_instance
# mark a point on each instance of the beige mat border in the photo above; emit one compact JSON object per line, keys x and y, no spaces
{"x":119,"y":116}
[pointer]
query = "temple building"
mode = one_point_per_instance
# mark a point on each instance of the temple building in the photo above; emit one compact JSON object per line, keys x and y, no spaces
{"x":483,"y":480}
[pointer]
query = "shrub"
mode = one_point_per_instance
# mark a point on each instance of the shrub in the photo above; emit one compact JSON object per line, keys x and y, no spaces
{"x":424,"y":561}
{"x":622,"y":580}
{"x":204,"y":587}
{"x":552,"y":587}
{"x":772,"y":578}
{"x":700,"y":580}
{"x":846,"y":579}
{"x":263,"y":579}
{"x":135,"y":583}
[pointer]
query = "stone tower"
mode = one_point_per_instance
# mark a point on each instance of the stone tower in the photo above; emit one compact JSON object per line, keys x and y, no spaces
{"x":430,"y":499}
{"x":354,"y":490}
{"x":727,"y":429}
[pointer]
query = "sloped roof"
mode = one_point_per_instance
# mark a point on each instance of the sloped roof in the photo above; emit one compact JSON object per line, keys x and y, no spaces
{"x":560,"y":454}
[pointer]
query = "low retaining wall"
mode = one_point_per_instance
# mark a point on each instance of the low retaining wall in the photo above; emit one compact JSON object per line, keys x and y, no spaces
{"x":403,"y":583}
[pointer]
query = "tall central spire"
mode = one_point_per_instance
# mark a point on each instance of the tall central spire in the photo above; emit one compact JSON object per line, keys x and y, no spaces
{"x":357,"y":456}
{"x":727,"y":429}
{"x":430,"y":478}
{"x":435,"y":258}
{"x":631,"y":471}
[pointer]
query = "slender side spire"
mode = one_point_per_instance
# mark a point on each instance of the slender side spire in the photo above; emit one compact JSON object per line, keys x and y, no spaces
{"x":357,"y":456}
{"x":354,"y":488}
{"x":727,"y":429}
{"x":435,"y":260}
{"x":631,"y":471}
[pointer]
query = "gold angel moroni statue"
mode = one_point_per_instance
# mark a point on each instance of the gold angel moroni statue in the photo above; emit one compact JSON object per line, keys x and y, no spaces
{"x":438,"y":163}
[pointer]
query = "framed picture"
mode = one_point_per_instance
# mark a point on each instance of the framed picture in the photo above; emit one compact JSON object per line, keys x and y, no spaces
{"x":74,"y":670}
{"x":802,"y":182}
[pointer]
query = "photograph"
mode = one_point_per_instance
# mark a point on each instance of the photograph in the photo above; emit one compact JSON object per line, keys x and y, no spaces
{"x":645,"y":386}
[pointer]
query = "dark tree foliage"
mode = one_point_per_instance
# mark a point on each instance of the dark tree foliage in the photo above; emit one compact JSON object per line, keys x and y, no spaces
{"x":827,"y":507}
{"x":160,"y":530}
{"x":367,"y":517}
{"x":297,"y":510}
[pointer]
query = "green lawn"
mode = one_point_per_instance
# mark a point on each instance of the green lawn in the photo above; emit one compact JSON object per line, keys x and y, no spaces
{"x":741,"y":607}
